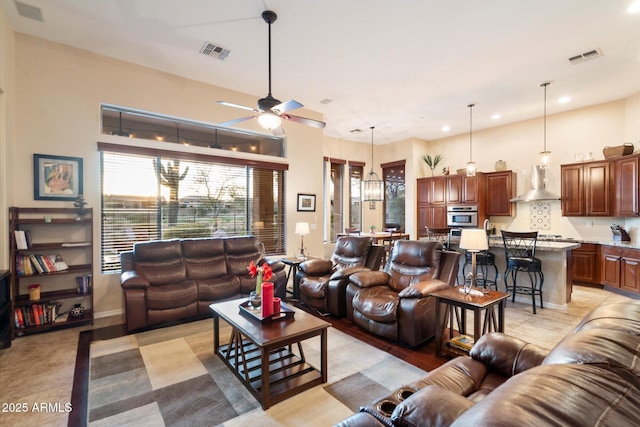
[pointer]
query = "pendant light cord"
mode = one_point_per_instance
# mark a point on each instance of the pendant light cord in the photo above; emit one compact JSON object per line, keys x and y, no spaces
{"x":371,"y":147}
{"x":269,"y":59}
{"x":545,"y":117}
{"x":470,"y":131}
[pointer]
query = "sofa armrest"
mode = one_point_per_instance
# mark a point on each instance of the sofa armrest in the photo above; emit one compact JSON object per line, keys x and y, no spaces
{"x":316,"y":267}
{"x":422,"y":289}
{"x":132,"y":280}
{"x":275,"y":264}
{"x":508,"y":355}
{"x":430,"y":406}
{"x":344,"y":273}
{"x":369,"y":278}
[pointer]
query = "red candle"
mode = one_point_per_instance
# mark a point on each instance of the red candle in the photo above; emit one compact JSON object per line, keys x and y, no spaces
{"x":276,"y":305}
{"x":267,"y":299}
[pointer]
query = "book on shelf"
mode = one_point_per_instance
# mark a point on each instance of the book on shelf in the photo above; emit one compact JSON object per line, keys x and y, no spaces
{"x":58,"y":263}
{"x":461,"y":342}
{"x":21,"y":239}
{"x":37,"y":315}
{"x":27,"y":265}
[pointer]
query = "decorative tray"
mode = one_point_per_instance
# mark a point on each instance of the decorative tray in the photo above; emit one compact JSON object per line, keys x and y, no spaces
{"x":247,"y":309}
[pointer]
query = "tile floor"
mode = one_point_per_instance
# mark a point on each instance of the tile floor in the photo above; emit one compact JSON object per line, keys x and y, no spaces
{"x":39,"y":368}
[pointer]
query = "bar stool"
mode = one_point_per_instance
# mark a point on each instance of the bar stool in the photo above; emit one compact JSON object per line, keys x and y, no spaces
{"x":442,"y":235}
{"x":520,"y":252}
{"x":485,"y":261}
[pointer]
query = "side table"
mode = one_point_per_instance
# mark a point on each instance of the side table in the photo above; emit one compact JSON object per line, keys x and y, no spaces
{"x":455,"y":304}
{"x":293,"y":263}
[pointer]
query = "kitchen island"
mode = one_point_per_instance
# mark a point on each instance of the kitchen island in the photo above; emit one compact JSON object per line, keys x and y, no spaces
{"x":556,"y":290}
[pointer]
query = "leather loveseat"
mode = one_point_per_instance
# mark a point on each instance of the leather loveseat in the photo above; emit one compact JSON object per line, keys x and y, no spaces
{"x":396,"y":303}
{"x":590,"y":378}
{"x":169,"y":280}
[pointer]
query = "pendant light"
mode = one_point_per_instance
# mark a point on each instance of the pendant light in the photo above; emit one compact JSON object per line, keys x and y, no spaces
{"x":545,"y":156}
{"x":471,"y":165}
{"x":372,"y":186}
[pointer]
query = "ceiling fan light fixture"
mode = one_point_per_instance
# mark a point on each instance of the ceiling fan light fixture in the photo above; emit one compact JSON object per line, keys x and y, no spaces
{"x":269,"y":121}
{"x":372,"y":186}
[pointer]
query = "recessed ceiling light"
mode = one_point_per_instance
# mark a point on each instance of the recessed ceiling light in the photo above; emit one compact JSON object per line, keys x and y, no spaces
{"x":445,"y":128}
{"x":496,"y":116}
{"x":563,"y":99}
{"x":634,"y":7}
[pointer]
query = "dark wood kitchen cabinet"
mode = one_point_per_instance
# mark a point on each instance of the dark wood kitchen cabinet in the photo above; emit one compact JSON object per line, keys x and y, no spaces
{"x":432,"y":208}
{"x":587,"y":189}
{"x":627,"y":188}
{"x":584,"y":264}
{"x":501,"y":187}
{"x":620,"y":268}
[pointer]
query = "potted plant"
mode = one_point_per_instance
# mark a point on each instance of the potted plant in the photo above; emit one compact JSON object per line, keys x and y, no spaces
{"x":432,"y":162}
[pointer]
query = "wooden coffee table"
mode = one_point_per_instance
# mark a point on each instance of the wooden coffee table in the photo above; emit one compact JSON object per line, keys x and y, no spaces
{"x":456,"y":304}
{"x":261,"y":354}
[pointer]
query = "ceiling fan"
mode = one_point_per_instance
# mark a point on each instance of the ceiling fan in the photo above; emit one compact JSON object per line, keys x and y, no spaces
{"x":270,"y":111}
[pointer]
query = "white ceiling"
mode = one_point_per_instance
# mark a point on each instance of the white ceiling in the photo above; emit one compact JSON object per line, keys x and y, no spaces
{"x":407,"y":67}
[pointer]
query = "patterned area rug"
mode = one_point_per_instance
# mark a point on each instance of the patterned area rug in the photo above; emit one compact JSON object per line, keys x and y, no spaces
{"x":170,"y":377}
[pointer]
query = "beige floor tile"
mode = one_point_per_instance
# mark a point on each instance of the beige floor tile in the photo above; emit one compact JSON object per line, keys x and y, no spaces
{"x":161,"y":365}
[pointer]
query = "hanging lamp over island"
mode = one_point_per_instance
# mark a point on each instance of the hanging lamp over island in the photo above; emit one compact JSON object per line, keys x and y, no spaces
{"x":471,"y":165}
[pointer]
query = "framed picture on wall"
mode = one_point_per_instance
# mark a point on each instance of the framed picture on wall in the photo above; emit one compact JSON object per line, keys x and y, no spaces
{"x":306,"y":202}
{"x":56,"y":177}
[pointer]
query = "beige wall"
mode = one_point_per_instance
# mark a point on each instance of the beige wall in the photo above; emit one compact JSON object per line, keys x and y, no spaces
{"x":58,"y":93}
{"x":50,"y":104}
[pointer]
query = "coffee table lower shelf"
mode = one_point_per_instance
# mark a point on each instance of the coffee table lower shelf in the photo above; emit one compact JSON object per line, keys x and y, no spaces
{"x":288,"y":373}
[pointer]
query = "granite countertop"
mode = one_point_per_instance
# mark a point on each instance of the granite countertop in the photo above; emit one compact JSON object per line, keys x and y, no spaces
{"x":568,"y":243}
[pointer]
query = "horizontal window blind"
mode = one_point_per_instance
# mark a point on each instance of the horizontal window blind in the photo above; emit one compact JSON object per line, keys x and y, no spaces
{"x":147,"y":197}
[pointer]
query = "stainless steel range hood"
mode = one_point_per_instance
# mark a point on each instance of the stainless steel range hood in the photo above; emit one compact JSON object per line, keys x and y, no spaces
{"x":538,"y":191}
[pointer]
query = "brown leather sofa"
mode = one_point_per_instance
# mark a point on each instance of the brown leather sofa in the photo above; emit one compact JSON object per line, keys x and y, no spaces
{"x":169,"y":280}
{"x":322,"y":282}
{"x":590,"y":378}
{"x":395,"y":303}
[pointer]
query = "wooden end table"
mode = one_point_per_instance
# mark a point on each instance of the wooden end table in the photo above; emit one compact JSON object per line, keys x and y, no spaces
{"x":261,"y":356}
{"x":293,"y":263}
{"x":456,"y":304}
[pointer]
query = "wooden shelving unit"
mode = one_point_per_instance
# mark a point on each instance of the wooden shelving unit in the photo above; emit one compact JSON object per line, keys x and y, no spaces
{"x":52,"y":231}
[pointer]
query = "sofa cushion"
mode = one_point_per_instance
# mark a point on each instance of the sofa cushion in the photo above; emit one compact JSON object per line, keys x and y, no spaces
{"x":350,"y":251}
{"x":162,"y":273}
{"x":314,"y":286}
{"x":240,"y":251}
{"x":413,"y":262}
{"x":157,"y":250}
{"x":622,"y":317}
{"x":462,"y":376}
{"x":599,"y":346}
{"x":377,"y":303}
{"x":204,"y":258}
{"x":559,"y":395}
{"x":506,"y":354}
{"x":218,"y":288}
{"x":171,"y":296}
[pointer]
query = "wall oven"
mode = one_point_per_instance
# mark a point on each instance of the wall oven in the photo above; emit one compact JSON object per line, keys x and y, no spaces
{"x":462,"y":216}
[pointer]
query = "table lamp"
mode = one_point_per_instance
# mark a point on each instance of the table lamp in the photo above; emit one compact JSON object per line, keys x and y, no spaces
{"x":302,"y":228}
{"x":473,"y":240}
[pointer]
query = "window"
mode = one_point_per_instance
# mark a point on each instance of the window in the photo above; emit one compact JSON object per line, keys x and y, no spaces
{"x":394,"y":197}
{"x":336,"y":196}
{"x":355,"y":197}
{"x":154,"y":194}
{"x":131,"y":123}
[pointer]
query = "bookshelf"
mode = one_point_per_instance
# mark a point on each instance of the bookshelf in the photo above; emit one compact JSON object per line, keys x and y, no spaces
{"x":49,"y":247}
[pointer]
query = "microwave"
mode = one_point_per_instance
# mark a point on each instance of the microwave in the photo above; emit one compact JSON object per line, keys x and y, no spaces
{"x":462,"y":216}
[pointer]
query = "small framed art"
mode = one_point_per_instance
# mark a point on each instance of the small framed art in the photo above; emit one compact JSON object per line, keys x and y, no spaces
{"x":56,"y":177}
{"x":306,"y":202}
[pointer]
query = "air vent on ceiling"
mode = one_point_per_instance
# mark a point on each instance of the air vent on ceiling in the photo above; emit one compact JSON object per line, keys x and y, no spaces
{"x":587,"y":56}
{"x":28,"y":11}
{"x":214,"y":51}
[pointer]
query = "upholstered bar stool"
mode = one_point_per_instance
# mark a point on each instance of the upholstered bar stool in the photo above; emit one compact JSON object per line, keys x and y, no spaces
{"x":520,"y":252}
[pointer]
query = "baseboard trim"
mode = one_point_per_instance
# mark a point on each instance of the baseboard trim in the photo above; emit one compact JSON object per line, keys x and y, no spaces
{"x":109,"y":313}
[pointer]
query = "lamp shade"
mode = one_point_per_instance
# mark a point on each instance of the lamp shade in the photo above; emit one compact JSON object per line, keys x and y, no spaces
{"x":302,"y":228}
{"x":269,"y":121}
{"x":474,"y":239}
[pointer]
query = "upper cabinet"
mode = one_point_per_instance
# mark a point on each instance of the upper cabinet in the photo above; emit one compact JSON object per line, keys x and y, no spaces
{"x":501,"y":187}
{"x":626,"y":186}
{"x":587,"y":189}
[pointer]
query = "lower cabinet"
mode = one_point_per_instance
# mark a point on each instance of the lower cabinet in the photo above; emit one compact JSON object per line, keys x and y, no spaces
{"x":620,"y":268}
{"x":584,"y":264}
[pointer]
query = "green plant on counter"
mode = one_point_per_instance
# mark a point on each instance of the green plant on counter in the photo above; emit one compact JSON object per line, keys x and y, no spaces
{"x":432,"y":162}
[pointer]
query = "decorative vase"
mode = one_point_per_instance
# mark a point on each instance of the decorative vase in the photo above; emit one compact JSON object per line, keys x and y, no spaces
{"x":255,"y":299}
{"x":501,"y":165}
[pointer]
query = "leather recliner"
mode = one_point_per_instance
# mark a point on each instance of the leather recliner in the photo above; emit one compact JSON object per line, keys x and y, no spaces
{"x":395,"y":303}
{"x":322,"y":282}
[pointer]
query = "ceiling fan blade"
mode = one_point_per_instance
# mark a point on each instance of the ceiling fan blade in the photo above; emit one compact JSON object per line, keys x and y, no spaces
{"x":305,"y":121}
{"x":229,"y":104}
{"x":287,"y":106}
{"x":234,"y":121}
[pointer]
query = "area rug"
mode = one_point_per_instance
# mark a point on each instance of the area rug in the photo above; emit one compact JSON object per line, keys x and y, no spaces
{"x":170,"y":377}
